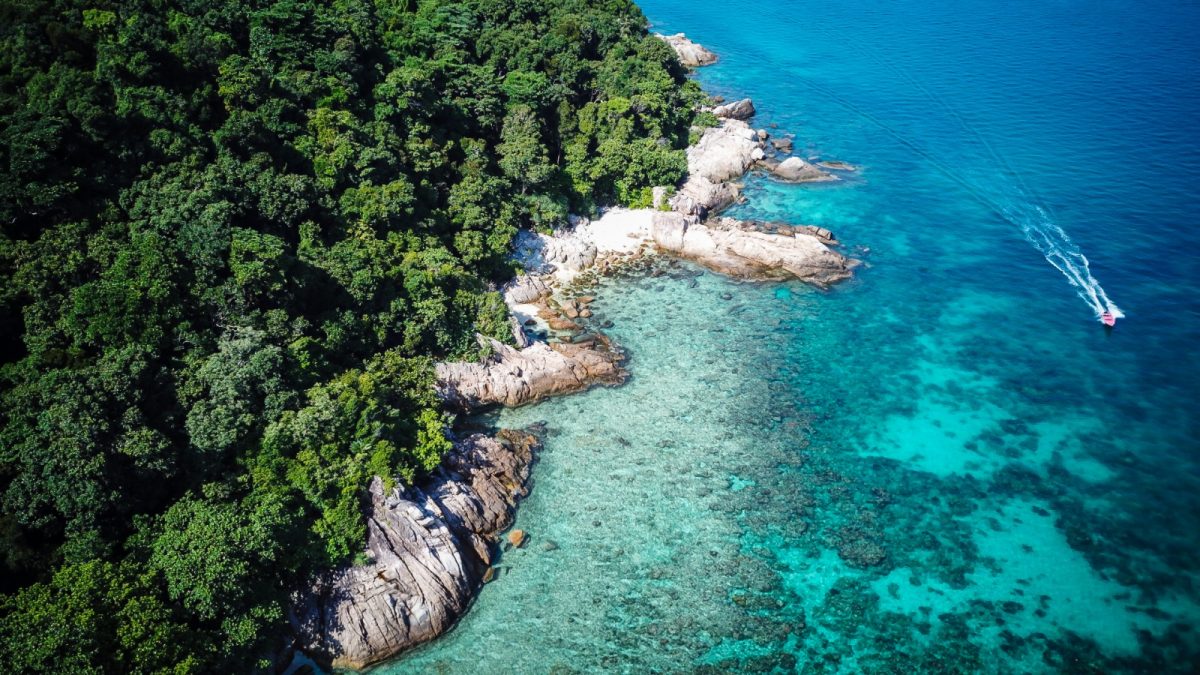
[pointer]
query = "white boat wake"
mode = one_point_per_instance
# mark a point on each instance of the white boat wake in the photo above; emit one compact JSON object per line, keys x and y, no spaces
{"x":1058,"y":249}
{"x":1026,"y":212}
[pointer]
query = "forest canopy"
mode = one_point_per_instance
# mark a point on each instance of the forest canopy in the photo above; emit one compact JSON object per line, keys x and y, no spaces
{"x":234,"y":237}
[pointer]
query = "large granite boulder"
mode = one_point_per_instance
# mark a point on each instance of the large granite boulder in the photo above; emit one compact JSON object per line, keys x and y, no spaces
{"x":429,"y":547}
{"x":723,"y":154}
{"x":796,"y":170}
{"x":525,"y":289}
{"x":513,"y":377}
{"x":737,"y":110}
{"x":724,"y":246}
{"x":699,"y":196}
{"x":543,"y":254}
{"x":689,"y":53}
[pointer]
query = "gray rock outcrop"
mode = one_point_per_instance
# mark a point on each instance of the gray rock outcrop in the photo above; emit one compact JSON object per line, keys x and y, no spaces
{"x":796,"y":170}
{"x":723,"y":154}
{"x":698,"y":196}
{"x":835,"y":165}
{"x":429,"y":547}
{"x":512,"y":377}
{"x":546,"y":254}
{"x":738,"y":110}
{"x":689,"y":53}
{"x":724,"y":246}
{"x":659,"y":196}
{"x":525,"y":288}
{"x":520,"y":337}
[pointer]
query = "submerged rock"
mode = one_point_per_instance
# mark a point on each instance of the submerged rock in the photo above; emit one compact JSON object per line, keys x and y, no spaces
{"x":513,"y":377}
{"x":430,"y":547}
{"x":689,"y":53}
{"x":782,"y":144}
{"x":834,"y":165}
{"x":517,"y":538}
{"x":862,"y":553}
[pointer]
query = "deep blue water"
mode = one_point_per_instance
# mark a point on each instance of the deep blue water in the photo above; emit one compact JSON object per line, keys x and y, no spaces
{"x":946,"y":464}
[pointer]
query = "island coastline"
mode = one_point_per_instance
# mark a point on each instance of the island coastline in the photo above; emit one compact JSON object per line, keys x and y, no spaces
{"x":409,"y":594}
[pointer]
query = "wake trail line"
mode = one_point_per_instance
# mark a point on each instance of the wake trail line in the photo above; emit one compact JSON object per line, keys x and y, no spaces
{"x":1027,"y":213}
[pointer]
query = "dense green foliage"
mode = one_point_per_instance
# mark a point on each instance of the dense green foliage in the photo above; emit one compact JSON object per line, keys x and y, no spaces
{"x":233,"y":237}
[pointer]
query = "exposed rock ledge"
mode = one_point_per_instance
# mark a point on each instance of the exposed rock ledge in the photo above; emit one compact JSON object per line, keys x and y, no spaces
{"x":796,"y":170}
{"x":723,"y":155}
{"x":689,"y":53}
{"x":430,"y":548}
{"x":724,"y":246}
{"x":512,"y":377}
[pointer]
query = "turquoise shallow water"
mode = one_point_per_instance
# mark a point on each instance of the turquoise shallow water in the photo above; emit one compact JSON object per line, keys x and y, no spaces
{"x":945,"y":464}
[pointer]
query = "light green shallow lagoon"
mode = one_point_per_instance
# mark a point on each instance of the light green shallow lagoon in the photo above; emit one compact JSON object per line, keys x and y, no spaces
{"x":700,"y":518}
{"x":644,"y":494}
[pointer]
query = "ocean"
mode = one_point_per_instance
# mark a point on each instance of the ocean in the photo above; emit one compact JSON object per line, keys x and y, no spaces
{"x":946,"y":464}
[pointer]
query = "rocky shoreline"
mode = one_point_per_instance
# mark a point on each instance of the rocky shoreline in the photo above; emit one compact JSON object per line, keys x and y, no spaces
{"x":512,"y":377}
{"x":431,"y":546}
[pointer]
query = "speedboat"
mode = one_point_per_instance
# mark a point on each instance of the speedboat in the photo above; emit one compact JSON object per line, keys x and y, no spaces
{"x":1108,"y":319}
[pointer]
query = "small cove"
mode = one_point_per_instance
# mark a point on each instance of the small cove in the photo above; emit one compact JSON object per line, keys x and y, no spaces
{"x":642,"y":493}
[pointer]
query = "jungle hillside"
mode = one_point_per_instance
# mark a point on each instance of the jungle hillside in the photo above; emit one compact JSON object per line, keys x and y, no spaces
{"x":234,"y":238}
